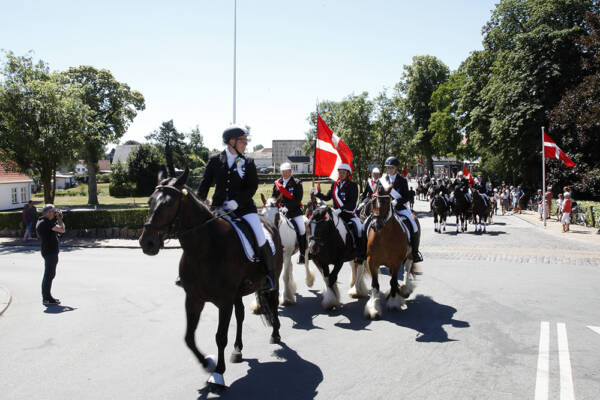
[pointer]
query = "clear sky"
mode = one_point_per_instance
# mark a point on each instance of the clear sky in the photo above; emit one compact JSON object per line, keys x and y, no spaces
{"x":179,"y":54}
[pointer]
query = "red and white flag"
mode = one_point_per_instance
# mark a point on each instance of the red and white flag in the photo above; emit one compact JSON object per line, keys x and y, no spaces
{"x":468,"y":175}
{"x":330,"y":152}
{"x":551,"y":150}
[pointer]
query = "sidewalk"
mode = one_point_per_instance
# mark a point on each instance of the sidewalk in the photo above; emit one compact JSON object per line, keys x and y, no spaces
{"x":5,"y":299}
{"x":555,"y":228}
{"x":84,"y":243}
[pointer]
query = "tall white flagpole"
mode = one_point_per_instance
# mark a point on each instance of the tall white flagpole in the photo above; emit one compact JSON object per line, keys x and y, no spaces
{"x":234,"y":54}
{"x":543,"y":181}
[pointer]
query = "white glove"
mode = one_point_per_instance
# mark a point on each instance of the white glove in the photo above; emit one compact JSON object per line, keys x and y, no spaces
{"x":283,"y":210}
{"x":394,"y":202}
{"x":313,"y":190}
{"x":230,"y":205}
{"x":337,"y":211}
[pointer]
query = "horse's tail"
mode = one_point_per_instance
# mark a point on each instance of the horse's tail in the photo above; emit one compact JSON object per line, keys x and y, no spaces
{"x":268,"y":314}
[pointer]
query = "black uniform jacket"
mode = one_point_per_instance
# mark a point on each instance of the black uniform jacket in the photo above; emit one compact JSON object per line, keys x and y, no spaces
{"x":400,"y":190}
{"x":294,"y":186}
{"x":441,"y":189}
{"x":237,"y":183}
{"x":368,"y":191}
{"x":347,"y":192}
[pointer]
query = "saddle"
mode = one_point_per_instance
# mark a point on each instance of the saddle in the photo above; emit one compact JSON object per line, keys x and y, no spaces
{"x":403,"y":221}
{"x":247,"y":237}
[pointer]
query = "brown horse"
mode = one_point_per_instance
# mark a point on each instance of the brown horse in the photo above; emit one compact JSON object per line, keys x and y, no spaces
{"x":388,"y":245}
{"x":481,"y":211}
{"x":213,"y":267}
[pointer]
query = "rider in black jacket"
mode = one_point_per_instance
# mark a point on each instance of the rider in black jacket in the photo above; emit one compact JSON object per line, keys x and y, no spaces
{"x":291,"y":192}
{"x":236,"y":182}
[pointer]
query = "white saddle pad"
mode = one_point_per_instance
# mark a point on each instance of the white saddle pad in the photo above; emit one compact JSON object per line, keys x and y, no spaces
{"x":246,"y":243}
{"x":402,"y":223}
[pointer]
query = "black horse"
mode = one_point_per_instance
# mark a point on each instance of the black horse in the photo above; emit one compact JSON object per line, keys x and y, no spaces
{"x":439,"y":208}
{"x":327,"y":246}
{"x":213,"y":267}
{"x":481,"y":211}
{"x":461,"y":208}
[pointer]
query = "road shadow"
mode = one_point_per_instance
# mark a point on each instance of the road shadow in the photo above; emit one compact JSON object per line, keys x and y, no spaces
{"x":58,"y":309}
{"x":27,"y":247}
{"x":304,"y":311}
{"x":487,"y":233}
{"x":290,"y":378}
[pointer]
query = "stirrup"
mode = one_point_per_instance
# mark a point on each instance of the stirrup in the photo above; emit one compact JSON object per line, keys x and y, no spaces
{"x":270,"y":286}
{"x":417,"y":256}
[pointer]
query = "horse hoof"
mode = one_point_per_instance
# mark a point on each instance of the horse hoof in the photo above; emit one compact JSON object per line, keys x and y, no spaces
{"x":287,"y":302}
{"x":236,"y":357}
{"x":216,"y":383}
{"x":275,"y":339}
{"x":211,"y":364}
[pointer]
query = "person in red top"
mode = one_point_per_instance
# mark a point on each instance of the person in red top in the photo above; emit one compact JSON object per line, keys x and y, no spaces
{"x":566,"y":210}
{"x":548,"y":197}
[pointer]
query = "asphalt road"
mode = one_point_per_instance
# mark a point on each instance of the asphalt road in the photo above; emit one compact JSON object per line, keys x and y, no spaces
{"x":487,"y":312}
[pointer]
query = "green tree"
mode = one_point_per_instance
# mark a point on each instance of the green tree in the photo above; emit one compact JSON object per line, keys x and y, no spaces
{"x":41,"y":118}
{"x":443,"y":122}
{"x":197,"y":152}
{"x":114,"y":106}
{"x":119,"y":181}
{"x":418,"y":82}
{"x":258,"y":147}
{"x":143,"y":165}
{"x":172,"y":143}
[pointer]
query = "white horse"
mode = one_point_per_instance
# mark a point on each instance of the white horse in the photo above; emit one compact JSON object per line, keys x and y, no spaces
{"x":289,"y":242}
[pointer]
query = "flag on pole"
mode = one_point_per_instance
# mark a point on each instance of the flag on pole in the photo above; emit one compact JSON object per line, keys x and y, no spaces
{"x":330,"y":152}
{"x":468,"y":175}
{"x":551,"y":150}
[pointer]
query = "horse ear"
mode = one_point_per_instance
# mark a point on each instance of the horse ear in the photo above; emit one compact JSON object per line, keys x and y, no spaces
{"x":162,"y":173}
{"x":183,"y":177}
{"x":262,"y":197}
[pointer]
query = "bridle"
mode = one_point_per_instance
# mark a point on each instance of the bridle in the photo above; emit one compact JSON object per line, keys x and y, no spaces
{"x":176,"y":221}
{"x":379,"y":216}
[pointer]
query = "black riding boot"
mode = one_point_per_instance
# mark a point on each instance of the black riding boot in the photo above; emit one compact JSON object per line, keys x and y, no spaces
{"x":414,"y":243}
{"x":266,"y":255}
{"x":302,"y":247}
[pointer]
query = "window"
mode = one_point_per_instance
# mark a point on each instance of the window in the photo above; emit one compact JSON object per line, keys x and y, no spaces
{"x":24,"y":198}
{"x":295,"y":167}
{"x":13,"y":195}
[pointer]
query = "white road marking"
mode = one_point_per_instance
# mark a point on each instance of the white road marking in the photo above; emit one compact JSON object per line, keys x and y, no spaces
{"x":543,"y":366}
{"x":595,"y":329}
{"x":566,"y":377}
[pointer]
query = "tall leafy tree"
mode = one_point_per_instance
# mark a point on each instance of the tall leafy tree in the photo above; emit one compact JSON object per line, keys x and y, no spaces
{"x":172,"y":143}
{"x":443,"y":122}
{"x":143,"y":165}
{"x":197,"y":152}
{"x":114,"y":106}
{"x":41,"y":118}
{"x":418,"y":82}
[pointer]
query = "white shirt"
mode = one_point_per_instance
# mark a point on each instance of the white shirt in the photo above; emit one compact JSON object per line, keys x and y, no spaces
{"x":392,"y":178}
{"x":285,"y":181}
{"x":230,"y":158}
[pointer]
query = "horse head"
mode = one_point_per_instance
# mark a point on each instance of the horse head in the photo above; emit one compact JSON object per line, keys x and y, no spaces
{"x":165,"y":207}
{"x":381,"y":207}
{"x":321,"y":228}
{"x":270,"y":209}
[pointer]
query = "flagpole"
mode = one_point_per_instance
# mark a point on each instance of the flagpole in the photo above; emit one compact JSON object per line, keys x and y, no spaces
{"x":234,"y":54}
{"x":543,"y":181}
{"x":315,"y":152}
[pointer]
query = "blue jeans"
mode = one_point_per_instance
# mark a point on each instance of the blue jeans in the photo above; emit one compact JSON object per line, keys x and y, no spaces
{"x":50,"y":262}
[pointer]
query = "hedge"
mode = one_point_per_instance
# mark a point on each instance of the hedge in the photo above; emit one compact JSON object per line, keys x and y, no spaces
{"x":82,"y":219}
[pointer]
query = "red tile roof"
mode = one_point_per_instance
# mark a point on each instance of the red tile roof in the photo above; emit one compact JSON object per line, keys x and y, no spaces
{"x":104,"y":164}
{"x":8,"y":174}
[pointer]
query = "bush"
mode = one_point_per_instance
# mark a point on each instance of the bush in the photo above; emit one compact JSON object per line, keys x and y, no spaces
{"x":143,"y":165}
{"x":119,"y":181}
{"x":104,"y":178}
{"x":123,"y":190}
{"x":82,"y":219}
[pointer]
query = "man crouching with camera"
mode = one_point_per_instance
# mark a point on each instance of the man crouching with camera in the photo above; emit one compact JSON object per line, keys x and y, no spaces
{"x":48,"y":227}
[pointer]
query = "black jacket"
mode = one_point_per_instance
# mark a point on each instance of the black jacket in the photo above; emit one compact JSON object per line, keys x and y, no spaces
{"x":368,"y":191}
{"x":441,"y":189}
{"x":294,"y":186}
{"x":347,"y":193}
{"x":400,"y":190}
{"x":229,"y":184}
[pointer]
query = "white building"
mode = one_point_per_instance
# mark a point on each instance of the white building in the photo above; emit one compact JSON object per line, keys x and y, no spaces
{"x":15,"y":189}
{"x":64,"y":181}
{"x":122,"y":151}
{"x":263,"y":158}
{"x":283,"y":149}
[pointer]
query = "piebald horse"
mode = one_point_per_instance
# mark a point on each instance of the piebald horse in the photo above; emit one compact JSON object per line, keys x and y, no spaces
{"x":213,"y":267}
{"x":289,"y":240}
{"x":481,"y":211}
{"x":329,"y":244}
{"x":388,"y":244}
{"x":440,"y":211}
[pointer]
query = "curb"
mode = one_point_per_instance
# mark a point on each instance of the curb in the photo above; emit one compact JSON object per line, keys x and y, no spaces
{"x":5,"y":299}
{"x":89,"y":245}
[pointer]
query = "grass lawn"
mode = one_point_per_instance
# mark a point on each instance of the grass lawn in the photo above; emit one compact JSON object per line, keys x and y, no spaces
{"x":77,"y":197}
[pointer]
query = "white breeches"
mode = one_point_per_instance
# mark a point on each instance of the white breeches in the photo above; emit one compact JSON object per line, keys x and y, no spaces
{"x":359,"y":225}
{"x":406,"y":212}
{"x":254,"y":222}
{"x":299,"y":220}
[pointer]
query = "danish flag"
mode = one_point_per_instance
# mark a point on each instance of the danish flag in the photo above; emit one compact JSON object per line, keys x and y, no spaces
{"x":330,"y":152}
{"x":468,"y":175}
{"x":551,"y":150}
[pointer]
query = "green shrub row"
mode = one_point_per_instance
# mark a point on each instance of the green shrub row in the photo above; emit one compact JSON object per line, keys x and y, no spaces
{"x":131,"y":218}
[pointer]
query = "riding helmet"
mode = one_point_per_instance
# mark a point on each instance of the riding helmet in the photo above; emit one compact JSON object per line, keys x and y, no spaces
{"x":234,"y":132}
{"x":392,"y":161}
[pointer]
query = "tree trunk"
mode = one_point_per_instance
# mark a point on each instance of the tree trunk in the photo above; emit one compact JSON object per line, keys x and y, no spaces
{"x":53,"y":185}
{"x":430,"y":166}
{"x":92,"y":185}
{"x":47,"y":182}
